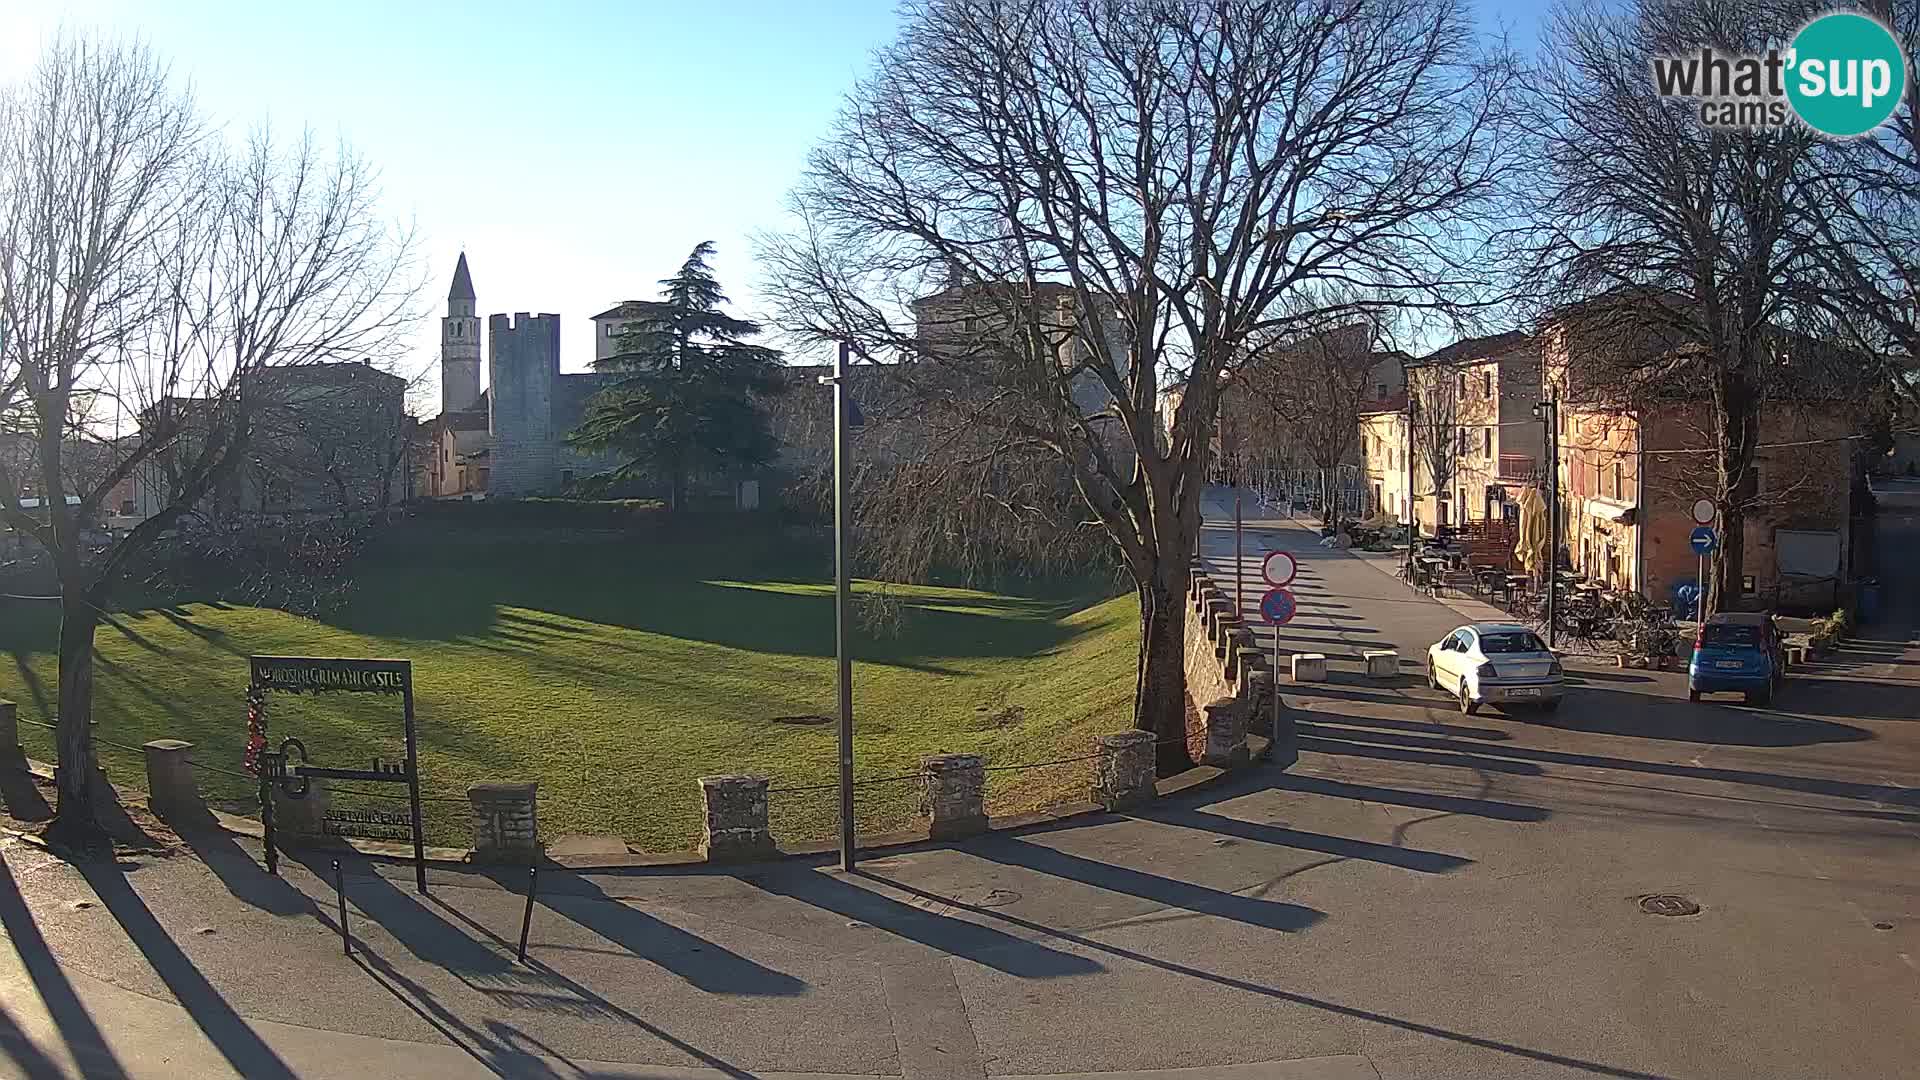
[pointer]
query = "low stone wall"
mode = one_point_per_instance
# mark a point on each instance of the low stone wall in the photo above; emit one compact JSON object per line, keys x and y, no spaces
{"x":1228,"y":676}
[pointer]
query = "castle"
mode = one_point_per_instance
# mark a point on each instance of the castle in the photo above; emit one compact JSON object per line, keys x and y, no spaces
{"x":509,"y":439}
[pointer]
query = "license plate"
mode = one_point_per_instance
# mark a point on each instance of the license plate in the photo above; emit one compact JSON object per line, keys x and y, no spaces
{"x":1531,"y":691}
{"x":1728,"y":664}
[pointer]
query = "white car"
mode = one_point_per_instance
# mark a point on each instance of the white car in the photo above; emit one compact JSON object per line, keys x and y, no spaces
{"x":1496,"y":663}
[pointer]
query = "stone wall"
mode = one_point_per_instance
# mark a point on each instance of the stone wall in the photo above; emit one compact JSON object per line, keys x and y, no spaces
{"x":1228,"y":676}
{"x":523,"y":366}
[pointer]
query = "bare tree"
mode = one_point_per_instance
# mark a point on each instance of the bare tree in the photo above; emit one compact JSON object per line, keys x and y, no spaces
{"x":149,"y":281}
{"x":1682,"y":248}
{"x":1318,"y":383}
{"x":1109,"y":194}
{"x":1433,"y":395}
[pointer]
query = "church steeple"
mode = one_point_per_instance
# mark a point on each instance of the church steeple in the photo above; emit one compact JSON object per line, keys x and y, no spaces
{"x":462,"y":281}
{"x":460,"y":344}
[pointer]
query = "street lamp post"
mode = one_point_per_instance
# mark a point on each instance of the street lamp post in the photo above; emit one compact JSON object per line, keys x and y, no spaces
{"x":846,"y":416}
{"x":1547,"y":411}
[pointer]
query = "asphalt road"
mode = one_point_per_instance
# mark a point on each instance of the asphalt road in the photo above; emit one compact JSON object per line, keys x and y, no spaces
{"x":1424,"y":895}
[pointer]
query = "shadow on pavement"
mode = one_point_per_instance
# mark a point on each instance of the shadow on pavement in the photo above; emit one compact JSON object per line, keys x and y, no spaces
{"x":709,"y":966}
{"x":1269,"y":914}
{"x":1426,"y":862}
{"x":81,"y":1034}
{"x":249,"y":1055}
{"x":22,"y":1052}
{"x":968,"y":940}
{"x":1426,"y":727}
{"x":1420,"y":800}
{"x":1473,"y":756}
{"x":1638,"y":716}
{"x":1398,"y":1023}
{"x":245,"y":879}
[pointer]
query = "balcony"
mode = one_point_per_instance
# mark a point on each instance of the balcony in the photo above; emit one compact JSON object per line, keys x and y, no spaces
{"x":1516,"y":467}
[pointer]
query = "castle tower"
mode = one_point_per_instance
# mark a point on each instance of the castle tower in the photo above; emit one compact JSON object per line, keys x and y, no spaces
{"x":523,"y":368}
{"x":460,"y":345}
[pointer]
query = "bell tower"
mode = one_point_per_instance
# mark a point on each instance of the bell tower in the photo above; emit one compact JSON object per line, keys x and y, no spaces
{"x":460,"y":345}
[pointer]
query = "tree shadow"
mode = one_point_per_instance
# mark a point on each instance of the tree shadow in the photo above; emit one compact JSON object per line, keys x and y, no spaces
{"x":1169,"y":892}
{"x":245,"y":879}
{"x":1420,"y":800}
{"x":249,"y":1055}
{"x":76,"y":1026}
{"x":1425,"y":862}
{"x":1422,"y":727}
{"x":982,"y":945}
{"x":1639,"y":716}
{"x":18,"y":1047}
{"x":702,"y":963}
{"x":1440,"y":751}
{"x":22,"y":796}
{"x":1352,"y":1012}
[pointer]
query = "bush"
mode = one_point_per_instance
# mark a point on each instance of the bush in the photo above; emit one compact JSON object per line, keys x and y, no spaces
{"x":542,"y":510}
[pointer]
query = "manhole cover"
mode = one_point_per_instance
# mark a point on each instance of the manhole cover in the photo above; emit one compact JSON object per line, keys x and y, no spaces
{"x":1883,"y":926}
{"x":1668,"y":904}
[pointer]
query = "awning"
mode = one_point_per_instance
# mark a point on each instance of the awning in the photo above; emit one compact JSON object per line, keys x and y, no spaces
{"x":1603,"y":510}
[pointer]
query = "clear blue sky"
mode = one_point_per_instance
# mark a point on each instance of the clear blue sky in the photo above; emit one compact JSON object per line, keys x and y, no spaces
{"x":577,"y":151}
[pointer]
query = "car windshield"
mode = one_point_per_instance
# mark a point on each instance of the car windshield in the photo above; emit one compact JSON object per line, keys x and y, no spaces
{"x":1730,"y":634}
{"x":1517,"y":641}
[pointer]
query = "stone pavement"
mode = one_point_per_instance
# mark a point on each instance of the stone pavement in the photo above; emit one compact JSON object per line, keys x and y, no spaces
{"x":1424,"y":895}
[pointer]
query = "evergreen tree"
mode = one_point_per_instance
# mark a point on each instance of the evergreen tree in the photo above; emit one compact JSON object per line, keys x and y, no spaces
{"x":686,"y":387}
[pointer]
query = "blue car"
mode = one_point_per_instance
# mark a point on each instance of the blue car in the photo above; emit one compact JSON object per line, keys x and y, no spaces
{"x":1737,"y":652}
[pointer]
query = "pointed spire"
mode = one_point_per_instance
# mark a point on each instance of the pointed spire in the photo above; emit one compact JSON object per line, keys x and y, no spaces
{"x":462,"y":281}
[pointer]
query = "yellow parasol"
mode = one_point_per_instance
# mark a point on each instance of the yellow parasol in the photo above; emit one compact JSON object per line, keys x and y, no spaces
{"x":1532,"y":543}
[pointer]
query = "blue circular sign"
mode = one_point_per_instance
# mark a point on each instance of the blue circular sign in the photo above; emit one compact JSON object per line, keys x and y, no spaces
{"x":1277,"y":606}
{"x":1703,"y":540}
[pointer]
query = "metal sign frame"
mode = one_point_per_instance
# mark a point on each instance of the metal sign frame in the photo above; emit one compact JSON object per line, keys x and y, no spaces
{"x":288,"y":767}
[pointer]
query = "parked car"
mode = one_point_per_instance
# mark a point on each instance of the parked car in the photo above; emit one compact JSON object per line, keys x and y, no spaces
{"x":1501,"y":664}
{"x":1736,"y":651}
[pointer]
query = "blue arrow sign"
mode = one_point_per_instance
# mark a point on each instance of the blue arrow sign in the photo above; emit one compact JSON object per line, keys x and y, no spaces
{"x":1703,"y":540}
{"x":1277,"y":606}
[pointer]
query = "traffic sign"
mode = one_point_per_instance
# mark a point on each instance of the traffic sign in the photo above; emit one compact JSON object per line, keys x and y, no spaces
{"x":1703,"y":541}
{"x":1277,"y":606}
{"x":1703,"y":512}
{"x":1279,"y":569}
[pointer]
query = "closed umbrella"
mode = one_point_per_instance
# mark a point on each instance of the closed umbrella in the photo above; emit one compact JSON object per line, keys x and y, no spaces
{"x":1533,"y":530}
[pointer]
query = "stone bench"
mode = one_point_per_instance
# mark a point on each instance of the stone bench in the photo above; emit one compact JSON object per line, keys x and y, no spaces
{"x":1309,"y":667}
{"x":1381,"y":663}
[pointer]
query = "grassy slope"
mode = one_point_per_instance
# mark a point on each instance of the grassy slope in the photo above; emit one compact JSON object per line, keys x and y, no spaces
{"x":615,"y":671}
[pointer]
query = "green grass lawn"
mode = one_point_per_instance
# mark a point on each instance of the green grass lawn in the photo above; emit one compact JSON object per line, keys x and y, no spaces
{"x":615,"y":670}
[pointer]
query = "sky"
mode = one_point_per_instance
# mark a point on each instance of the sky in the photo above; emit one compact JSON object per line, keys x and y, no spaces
{"x":576,"y":151}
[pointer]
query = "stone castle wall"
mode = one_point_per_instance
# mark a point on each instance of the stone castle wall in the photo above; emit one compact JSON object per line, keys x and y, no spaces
{"x":523,"y":367}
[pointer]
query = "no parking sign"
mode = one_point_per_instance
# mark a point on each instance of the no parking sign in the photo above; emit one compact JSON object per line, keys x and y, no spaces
{"x":1277,"y":606}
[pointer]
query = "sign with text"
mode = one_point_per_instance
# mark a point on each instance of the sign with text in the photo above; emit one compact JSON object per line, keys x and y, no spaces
{"x":289,"y":769}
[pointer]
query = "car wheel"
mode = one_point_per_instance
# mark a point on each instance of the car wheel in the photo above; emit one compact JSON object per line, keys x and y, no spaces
{"x":1467,"y":704}
{"x":1692,"y":694}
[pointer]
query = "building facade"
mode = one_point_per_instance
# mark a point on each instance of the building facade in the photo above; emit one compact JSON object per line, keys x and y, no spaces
{"x":1474,"y":426}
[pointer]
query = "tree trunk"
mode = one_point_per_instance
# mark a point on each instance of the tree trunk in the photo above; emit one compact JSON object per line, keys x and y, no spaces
{"x":76,"y":820}
{"x":1160,"y":694}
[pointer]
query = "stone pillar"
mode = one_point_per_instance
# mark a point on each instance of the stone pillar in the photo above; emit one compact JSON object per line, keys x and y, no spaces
{"x":736,"y":819}
{"x":173,"y":791}
{"x":1226,"y":725}
{"x":302,"y":816}
{"x":1286,"y":741}
{"x":12,"y":756}
{"x":1381,"y":663}
{"x":1123,"y":773}
{"x":955,"y":801}
{"x":1309,"y":667}
{"x":506,"y":821}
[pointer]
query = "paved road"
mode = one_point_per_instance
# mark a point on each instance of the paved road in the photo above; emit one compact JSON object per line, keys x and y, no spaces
{"x":1424,"y":895}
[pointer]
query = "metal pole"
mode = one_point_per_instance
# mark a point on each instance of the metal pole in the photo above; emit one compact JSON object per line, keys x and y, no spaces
{"x":340,"y":890}
{"x":1552,"y":419}
{"x":526,"y":917}
{"x":1273,"y":747}
{"x":1239,"y":597}
{"x":843,"y":600}
{"x":1413,"y":518}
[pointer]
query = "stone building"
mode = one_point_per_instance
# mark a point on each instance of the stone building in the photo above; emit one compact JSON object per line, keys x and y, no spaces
{"x":1473,"y":408}
{"x":1632,"y":464}
{"x":529,"y":406}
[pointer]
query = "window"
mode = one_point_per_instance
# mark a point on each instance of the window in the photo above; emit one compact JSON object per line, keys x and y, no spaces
{"x":1463,"y":384}
{"x":1380,"y":391}
{"x":1486,"y":442}
{"x":1523,"y":641}
{"x":126,"y":506}
{"x":1466,"y":447}
{"x":1619,"y":476}
{"x":1486,"y":384}
{"x":972,"y":324}
{"x":566,"y":479}
{"x":446,"y":454}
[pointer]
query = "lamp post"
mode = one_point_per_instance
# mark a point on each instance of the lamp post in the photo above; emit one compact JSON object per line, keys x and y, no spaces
{"x":846,"y":417}
{"x":1547,"y":411}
